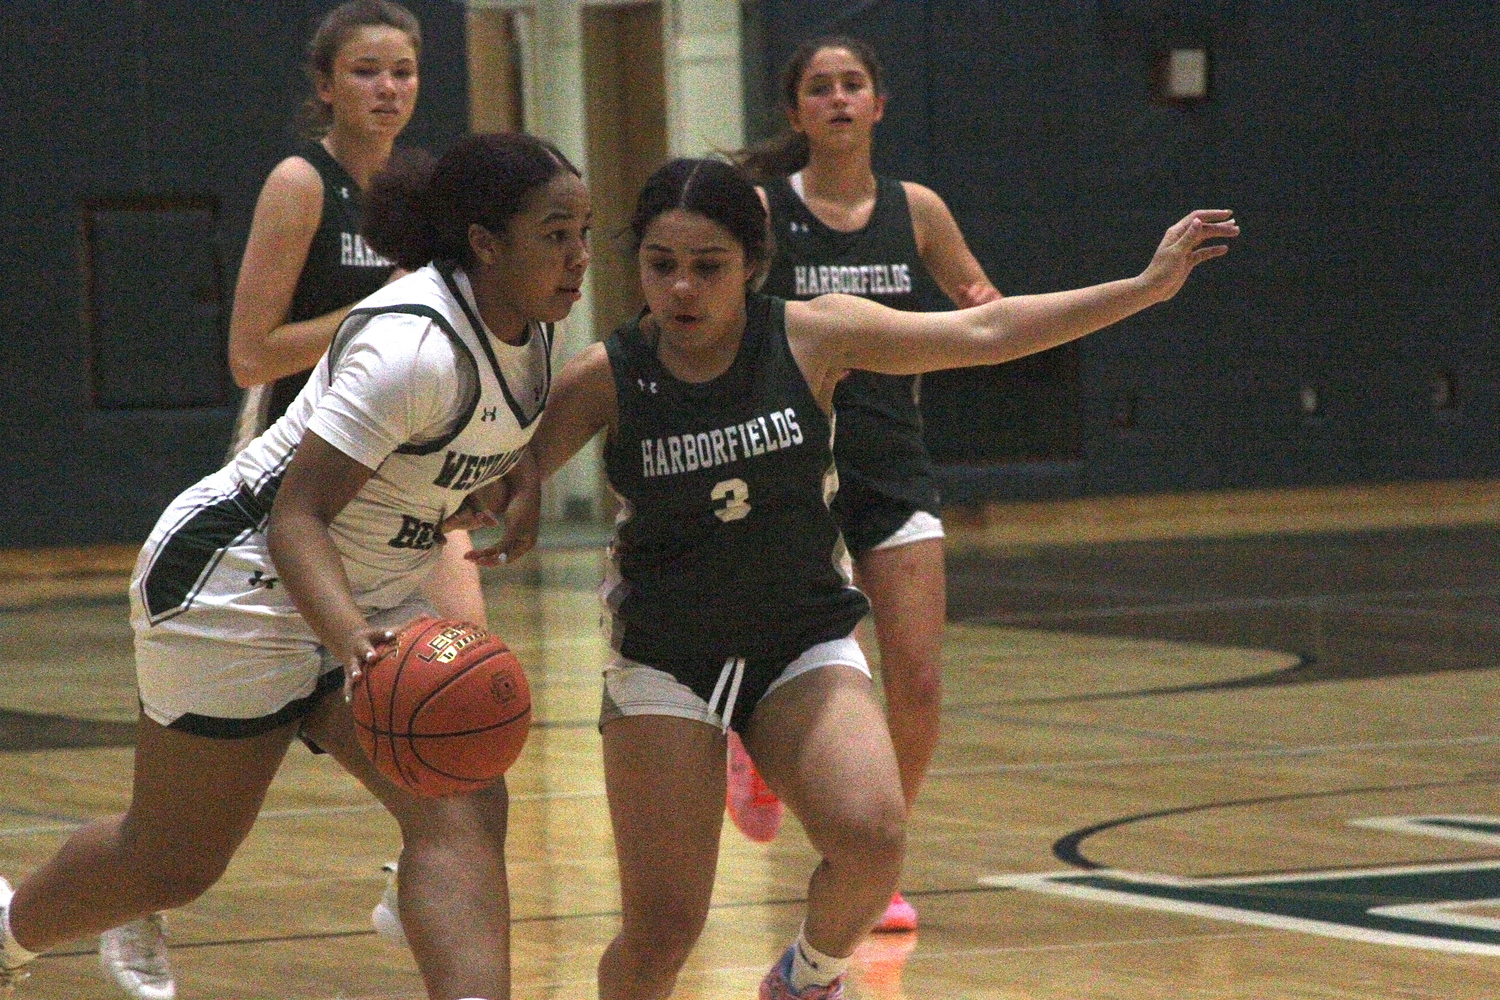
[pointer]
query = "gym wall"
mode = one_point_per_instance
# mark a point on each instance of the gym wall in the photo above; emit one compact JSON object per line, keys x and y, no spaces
{"x":1348,"y":337}
{"x":137,"y":138}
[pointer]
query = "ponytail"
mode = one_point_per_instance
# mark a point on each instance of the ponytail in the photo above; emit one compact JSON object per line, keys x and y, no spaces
{"x":784,"y":153}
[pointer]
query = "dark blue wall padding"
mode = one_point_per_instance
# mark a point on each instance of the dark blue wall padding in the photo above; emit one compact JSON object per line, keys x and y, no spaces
{"x":168,"y":103}
{"x":1354,"y":143}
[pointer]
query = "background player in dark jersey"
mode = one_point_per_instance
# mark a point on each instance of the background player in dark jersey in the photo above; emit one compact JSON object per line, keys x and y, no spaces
{"x":729,"y":599}
{"x":231,"y":670}
{"x":306,"y":262}
{"x":839,"y":227}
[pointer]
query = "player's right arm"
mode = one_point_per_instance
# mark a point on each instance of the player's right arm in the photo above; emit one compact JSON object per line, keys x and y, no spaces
{"x":264,"y":347}
{"x":320,"y":482}
{"x":393,"y":384}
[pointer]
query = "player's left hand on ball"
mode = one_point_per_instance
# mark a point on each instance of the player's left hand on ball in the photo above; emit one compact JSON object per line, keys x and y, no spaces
{"x":364,"y":648}
{"x":1185,"y":246}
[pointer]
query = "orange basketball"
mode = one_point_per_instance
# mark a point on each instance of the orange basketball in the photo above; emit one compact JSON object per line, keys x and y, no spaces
{"x":445,"y":709}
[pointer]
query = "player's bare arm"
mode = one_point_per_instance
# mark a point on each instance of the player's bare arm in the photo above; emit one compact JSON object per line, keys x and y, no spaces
{"x":319,"y":483}
{"x":941,"y":245}
{"x":582,"y":402}
{"x":834,"y":333}
{"x":262,"y":345}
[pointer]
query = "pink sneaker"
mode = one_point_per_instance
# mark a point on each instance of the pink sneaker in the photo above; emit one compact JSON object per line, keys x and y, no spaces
{"x":777,"y":985}
{"x":754,"y":808}
{"x":899,"y":917}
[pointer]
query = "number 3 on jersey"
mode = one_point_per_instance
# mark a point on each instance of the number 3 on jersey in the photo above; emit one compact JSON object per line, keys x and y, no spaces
{"x":736,"y":496}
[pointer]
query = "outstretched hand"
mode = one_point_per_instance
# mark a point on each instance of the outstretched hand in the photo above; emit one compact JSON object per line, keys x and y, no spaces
{"x":1185,"y":246}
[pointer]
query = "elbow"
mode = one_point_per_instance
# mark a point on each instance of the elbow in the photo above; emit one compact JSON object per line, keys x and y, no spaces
{"x":246,"y":371}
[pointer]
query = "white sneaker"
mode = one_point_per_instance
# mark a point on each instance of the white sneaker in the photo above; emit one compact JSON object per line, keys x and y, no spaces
{"x":134,"y":957}
{"x":12,"y":965}
{"x":387,"y":913}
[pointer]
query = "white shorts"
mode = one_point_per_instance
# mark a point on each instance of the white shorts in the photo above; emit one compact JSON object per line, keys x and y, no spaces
{"x":222,"y":650}
{"x":918,"y":528}
{"x":240,"y":687}
{"x":632,"y":688}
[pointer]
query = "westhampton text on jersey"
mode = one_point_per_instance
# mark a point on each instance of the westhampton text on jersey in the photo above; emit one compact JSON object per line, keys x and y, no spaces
{"x":680,"y":453}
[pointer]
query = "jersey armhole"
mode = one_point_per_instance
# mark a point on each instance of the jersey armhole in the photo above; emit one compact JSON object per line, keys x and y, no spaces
{"x":358,"y":319}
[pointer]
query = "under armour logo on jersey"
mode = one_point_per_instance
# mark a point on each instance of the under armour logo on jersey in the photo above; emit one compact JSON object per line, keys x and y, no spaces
{"x":646,"y":386}
{"x":344,"y":193}
{"x":798,"y":227}
{"x":259,"y":579}
{"x":490,"y":413}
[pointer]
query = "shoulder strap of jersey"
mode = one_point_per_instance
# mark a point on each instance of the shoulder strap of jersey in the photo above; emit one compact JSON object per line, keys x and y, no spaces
{"x":358,"y":319}
{"x":781,"y":198}
{"x":891,"y":198}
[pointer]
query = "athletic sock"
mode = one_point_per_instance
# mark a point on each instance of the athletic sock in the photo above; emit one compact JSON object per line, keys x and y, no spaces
{"x":810,"y":967}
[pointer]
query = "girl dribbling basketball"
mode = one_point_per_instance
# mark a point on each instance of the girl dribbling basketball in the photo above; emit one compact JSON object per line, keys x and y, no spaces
{"x":265,"y":588}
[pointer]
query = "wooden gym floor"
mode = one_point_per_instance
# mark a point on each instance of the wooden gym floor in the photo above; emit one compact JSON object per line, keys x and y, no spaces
{"x":1239,"y":745}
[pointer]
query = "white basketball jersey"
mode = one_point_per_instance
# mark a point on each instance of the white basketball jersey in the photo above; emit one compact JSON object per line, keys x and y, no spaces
{"x":386,"y":534}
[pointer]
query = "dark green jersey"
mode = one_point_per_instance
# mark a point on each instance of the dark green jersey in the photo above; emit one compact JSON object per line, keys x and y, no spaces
{"x":341,"y":268}
{"x":726,"y":546}
{"x":880,"y":427}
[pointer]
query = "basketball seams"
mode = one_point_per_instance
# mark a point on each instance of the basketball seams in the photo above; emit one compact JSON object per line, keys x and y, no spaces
{"x":448,"y":683}
{"x":414,"y":738}
{"x":415,"y":759}
{"x":408,"y":774}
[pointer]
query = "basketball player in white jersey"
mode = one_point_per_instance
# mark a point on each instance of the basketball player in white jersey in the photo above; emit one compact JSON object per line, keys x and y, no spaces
{"x":265,"y":588}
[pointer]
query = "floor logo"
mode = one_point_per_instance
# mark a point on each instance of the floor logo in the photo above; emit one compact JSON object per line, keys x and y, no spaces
{"x":1417,"y":906}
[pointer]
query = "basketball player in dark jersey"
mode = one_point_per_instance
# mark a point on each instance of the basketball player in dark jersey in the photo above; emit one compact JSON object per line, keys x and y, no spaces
{"x":305,"y":262}
{"x":840,"y":228}
{"x":730,"y":602}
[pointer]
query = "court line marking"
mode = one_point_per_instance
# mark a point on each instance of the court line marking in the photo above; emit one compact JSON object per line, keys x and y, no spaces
{"x":1251,"y":603}
{"x":1423,"y":825}
{"x":1216,"y":755}
{"x":701,"y":975}
{"x":303,"y":813}
{"x":947,"y":772}
{"x":1045,"y":884}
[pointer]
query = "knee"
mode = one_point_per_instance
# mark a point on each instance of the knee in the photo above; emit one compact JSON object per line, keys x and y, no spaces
{"x":873,"y":839}
{"x":475,"y":822}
